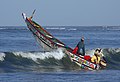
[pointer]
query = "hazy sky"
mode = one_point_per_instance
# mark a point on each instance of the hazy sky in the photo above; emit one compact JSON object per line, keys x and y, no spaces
{"x":61,"y":12}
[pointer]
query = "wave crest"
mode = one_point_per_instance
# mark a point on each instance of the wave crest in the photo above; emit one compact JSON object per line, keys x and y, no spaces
{"x":57,"y":54}
{"x":55,"y":60}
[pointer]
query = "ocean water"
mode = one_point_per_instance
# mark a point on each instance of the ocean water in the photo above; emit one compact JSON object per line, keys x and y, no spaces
{"x":23,"y":60}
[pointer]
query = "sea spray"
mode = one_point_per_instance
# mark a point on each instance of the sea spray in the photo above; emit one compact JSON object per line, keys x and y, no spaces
{"x":90,"y":52}
{"x":57,"y":54}
{"x":2,"y":56}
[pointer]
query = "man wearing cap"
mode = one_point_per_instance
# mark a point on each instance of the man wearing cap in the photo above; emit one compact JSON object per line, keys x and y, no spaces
{"x":81,"y":47}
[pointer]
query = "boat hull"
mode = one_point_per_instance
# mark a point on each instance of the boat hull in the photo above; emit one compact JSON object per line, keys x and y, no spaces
{"x":80,"y":61}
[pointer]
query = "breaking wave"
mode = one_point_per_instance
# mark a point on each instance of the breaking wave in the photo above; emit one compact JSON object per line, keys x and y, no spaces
{"x":12,"y":28}
{"x":49,"y":61}
{"x":61,"y":28}
{"x":55,"y":28}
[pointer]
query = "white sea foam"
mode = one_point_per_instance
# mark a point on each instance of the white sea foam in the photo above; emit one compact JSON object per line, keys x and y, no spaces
{"x":2,"y":28}
{"x":90,"y":52}
{"x":2,"y":56}
{"x":72,"y":29}
{"x":58,"y":54}
{"x":54,"y":28}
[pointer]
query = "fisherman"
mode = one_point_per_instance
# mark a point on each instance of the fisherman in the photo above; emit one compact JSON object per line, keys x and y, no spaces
{"x":102,"y":55}
{"x":80,"y":48}
{"x":97,"y":56}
